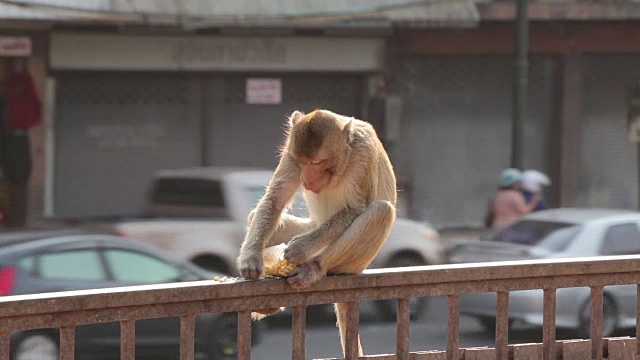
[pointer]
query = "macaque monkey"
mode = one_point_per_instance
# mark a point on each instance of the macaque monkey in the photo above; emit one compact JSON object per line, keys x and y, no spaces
{"x":350,"y":189}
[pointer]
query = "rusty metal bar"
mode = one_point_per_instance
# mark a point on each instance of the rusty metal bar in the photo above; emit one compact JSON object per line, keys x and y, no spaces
{"x":244,"y":335}
{"x":187,"y":336}
{"x":67,"y":342}
{"x":4,"y":346}
{"x":453,"y":327}
{"x":502,"y":326}
{"x":424,"y":281}
{"x":596,"y":322}
{"x":352,"y":341}
{"x":402,"y":329}
{"x":127,"y":340}
{"x":298,"y":346}
{"x":107,"y":311}
{"x":637,"y":319}
{"x":127,"y":305}
{"x":549,"y":324}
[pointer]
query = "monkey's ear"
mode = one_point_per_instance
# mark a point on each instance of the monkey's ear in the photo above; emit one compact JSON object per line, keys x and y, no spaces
{"x":293,"y":119}
{"x":346,"y":131}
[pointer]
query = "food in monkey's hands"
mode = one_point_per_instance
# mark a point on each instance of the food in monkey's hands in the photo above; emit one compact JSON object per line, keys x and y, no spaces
{"x":274,"y":262}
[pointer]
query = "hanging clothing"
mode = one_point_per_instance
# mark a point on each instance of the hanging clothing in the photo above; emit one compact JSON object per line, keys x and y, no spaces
{"x":17,"y":163}
{"x":25,"y":109}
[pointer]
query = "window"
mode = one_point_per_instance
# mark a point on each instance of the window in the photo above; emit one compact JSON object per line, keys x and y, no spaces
{"x":188,"y":192}
{"x":622,"y":239}
{"x":140,"y":268}
{"x":28,"y":264}
{"x":76,"y":265}
{"x":298,"y":205}
{"x":548,"y":234}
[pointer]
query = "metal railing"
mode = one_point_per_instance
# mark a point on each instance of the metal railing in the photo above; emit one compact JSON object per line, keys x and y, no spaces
{"x":66,"y":310}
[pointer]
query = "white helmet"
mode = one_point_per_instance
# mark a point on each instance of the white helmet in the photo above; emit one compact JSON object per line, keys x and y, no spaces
{"x":534,"y":180}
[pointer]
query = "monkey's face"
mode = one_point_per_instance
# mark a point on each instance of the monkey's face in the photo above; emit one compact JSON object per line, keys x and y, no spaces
{"x":316,"y":173}
{"x":318,"y":144}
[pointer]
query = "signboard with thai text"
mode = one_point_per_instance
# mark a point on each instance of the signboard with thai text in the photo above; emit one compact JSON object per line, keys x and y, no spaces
{"x":15,"y":46}
{"x":220,"y":53}
{"x":264,"y":91}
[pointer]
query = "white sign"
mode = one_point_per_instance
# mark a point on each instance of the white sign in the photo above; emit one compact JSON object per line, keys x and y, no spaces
{"x":220,"y":53}
{"x":264,"y":91}
{"x":15,"y":46}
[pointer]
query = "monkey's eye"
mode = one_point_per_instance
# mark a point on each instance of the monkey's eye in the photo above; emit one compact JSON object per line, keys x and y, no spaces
{"x":317,"y":162}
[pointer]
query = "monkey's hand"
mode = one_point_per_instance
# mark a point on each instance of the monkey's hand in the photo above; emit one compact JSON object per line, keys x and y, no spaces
{"x":297,"y":250}
{"x":250,"y":265}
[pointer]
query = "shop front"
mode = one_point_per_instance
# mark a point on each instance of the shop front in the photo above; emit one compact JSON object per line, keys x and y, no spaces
{"x":127,"y":106}
{"x":20,"y":116}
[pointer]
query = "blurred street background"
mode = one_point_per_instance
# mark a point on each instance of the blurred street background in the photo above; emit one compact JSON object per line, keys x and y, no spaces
{"x":161,"y":121}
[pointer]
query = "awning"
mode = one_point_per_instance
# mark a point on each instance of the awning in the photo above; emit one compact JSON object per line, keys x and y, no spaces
{"x":198,"y":14}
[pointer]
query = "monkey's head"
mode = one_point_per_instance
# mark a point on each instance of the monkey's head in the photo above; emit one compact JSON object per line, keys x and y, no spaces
{"x":319,"y":142}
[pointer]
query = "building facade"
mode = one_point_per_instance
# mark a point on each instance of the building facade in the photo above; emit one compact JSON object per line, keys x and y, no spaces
{"x":122,"y":102}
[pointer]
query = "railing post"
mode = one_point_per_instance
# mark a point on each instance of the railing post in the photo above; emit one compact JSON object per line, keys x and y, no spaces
{"x":67,"y":342}
{"x":549,"y":324}
{"x":596,"y":322}
{"x":4,"y":345}
{"x":637,"y":320}
{"x":299,"y":328}
{"x":502,"y":326}
{"x":402,"y":329}
{"x":127,"y":340}
{"x":244,"y":335}
{"x":187,"y":336}
{"x":453,"y":327}
{"x":352,"y":341}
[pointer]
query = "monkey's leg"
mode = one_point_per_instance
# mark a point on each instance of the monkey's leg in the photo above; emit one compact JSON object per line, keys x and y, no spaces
{"x":362,"y":241}
{"x":354,"y":249}
{"x":289,"y":227}
{"x":360,"y":244}
{"x":350,"y":254}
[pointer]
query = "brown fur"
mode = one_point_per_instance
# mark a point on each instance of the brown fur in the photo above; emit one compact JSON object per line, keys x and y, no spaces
{"x":350,"y":189}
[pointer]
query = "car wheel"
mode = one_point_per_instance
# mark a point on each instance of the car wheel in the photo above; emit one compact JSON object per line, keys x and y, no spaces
{"x":417,"y":305}
{"x":609,"y":318}
{"x":35,"y":346}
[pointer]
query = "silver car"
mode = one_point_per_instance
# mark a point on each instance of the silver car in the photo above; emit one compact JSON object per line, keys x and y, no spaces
{"x":557,"y":233}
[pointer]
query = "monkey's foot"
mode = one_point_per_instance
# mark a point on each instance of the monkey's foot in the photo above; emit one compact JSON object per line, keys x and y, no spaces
{"x":306,"y":275}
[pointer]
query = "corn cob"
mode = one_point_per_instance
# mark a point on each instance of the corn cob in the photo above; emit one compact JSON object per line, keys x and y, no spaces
{"x":274,"y":262}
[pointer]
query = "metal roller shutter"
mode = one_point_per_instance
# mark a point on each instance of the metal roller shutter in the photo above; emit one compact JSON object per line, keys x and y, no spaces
{"x":112,"y":131}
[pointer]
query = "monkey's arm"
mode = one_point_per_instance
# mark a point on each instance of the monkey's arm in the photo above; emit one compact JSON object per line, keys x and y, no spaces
{"x":266,"y":217}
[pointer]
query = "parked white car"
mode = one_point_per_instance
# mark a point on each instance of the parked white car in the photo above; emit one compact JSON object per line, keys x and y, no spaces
{"x":557,"y":233}
{"x":199,"y":214}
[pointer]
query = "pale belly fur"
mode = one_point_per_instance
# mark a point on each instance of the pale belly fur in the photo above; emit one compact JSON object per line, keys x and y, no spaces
{"x":326,"y":204}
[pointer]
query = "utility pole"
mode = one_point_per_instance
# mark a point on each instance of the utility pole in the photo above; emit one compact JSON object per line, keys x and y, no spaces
{"x":520,"y":84}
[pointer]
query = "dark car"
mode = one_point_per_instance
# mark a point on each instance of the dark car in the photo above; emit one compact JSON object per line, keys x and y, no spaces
{"x":62,"y":260}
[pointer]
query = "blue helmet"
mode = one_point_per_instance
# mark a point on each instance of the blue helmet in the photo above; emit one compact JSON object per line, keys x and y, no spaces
{"x":508,"y":177}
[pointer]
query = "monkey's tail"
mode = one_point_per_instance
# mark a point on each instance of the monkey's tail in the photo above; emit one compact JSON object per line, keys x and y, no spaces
{"x":342,"y":315}
{"x":263,"y":313}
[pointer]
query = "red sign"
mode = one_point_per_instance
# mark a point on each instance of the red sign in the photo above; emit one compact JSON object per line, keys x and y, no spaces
{"x":264,"y":91}
{"x":15,"y":46}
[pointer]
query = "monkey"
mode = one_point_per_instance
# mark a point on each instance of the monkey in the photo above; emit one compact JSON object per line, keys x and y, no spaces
{"x":349,"y":186}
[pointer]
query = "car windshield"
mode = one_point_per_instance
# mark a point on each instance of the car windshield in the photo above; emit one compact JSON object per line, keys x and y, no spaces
{"x":548,"y":234}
